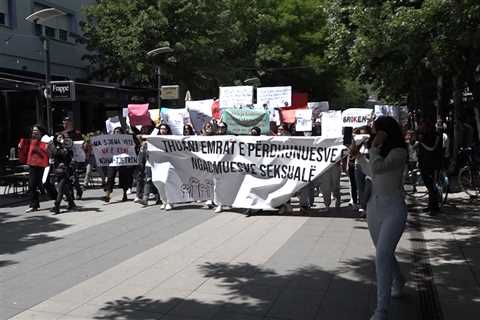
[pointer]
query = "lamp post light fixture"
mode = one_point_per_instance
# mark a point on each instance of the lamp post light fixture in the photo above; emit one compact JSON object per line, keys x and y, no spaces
{"x":155,"y":52}
{"x":37,"y":18}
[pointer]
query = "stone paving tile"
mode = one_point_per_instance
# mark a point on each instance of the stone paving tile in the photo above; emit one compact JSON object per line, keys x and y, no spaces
{"x":199,"y":305}
{"x":296,"y":304}
{"x":37,"y":315}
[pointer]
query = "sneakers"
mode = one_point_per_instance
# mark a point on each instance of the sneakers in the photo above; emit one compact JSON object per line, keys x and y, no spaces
{"x":362,"y":213}
{"x":209,"y":204}
{"x":397,"y":288}
{"x":129,"y":191}
{"x":137,"y":200}
{"x":143,"y":202}
{"x":168,"y":207}
{"x":218,"y":209}
{"x":31,"y":210}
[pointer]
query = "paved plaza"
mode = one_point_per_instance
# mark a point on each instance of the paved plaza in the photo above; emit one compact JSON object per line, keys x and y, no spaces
{"x":123,"y":261}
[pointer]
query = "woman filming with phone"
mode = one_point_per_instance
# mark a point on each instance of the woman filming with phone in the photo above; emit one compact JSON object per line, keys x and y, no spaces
{"x":386,"y":207}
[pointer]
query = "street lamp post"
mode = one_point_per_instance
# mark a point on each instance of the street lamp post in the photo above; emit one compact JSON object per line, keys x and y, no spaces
{"x":155,"y":52}
{"x":37,"y":18}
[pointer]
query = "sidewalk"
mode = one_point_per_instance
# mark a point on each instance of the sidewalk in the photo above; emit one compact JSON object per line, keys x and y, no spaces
{"x":122,"y":261}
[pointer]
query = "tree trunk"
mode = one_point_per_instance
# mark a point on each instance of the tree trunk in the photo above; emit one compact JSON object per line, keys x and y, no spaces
{"x":457,"y":104}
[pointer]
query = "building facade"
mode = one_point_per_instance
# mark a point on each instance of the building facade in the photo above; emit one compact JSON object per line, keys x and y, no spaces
{"x":23,"y":67}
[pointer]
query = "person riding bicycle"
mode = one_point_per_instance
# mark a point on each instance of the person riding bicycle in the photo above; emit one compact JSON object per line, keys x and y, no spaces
{"x":429,"y":161}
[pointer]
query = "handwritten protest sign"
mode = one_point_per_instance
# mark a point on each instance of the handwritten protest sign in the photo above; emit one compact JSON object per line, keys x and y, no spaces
{"x":200,"y":112}
{"x":318,"y":107}
{"x":240,"y":121}
{"x":274,"y":97}
{"x":176,"y":119}
{"x":357,"y":117}
{"x":139,"y":115}
{"x":242,"y":171}
{"x":234,"y":97}
{"x":114,"y":150}
{"x":112,"y":123}
{"x":303,"y":120}
{"x":332,"y":124}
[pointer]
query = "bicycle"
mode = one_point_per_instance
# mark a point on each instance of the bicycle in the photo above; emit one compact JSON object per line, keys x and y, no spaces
{"x":469,"y":175}
{"x":415,"y":188}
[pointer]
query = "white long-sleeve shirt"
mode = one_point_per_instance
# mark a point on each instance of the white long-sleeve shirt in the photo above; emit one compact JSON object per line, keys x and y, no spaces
{"x":386,"y":173}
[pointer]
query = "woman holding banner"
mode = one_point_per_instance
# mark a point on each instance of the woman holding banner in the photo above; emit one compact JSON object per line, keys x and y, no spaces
{"x":124,"y":176}
{"x":386,"y":208}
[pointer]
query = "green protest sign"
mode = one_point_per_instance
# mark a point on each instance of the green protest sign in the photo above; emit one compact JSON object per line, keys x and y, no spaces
{"x":240,"y":121}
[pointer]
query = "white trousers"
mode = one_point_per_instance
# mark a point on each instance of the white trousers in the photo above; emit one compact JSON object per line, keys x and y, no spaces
{"x":386,"y":217}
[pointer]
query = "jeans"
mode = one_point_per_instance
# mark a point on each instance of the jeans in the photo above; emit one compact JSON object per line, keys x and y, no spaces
{"x":353,"y":184}
{"x":386,"y":219}
{"x":428,"y":175}
{"x":360,"y":179}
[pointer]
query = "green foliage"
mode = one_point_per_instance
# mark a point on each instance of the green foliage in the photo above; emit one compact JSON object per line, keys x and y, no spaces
{"x":216,"y":42}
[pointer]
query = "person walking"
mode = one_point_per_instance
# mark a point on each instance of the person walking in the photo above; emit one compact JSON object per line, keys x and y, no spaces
{"x":62,"y":156}
{"x":386,"y":208}
{"x":37,"y":161}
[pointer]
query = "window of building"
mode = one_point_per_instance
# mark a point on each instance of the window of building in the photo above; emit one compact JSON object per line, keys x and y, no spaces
{"x":2,"y":18}
{"x":50,"y":32}
{"x":63,"y":35}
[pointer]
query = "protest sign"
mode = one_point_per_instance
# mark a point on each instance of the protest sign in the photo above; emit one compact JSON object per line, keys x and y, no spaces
{"x":357,"y":117}
{"x":139,"y":114}
{"x":303,"y":120}
{"x":234,"y":97}
{"x":274,"y":97}
{"x":332,"y":124}
{"x":112,"y":123}
{"x":155,"y":116}
{"x":318,"y":107}
{"x":175,"y":118}
{"x":240,"y":121}
{"x":200,"y":112}
{"x":78,"y":152}
{"x":114,"y":150}
{"x":243,"y":171}
{"x":387,"y":111}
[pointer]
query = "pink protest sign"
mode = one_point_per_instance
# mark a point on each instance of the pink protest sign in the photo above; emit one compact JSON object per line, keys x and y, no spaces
{"x":139,"y":115}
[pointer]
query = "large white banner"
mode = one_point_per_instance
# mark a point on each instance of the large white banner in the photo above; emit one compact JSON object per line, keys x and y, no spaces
{"x":357,"y":117}
{"x":332,"y":124}
{"x":242,"y":171}
{"x":274,"y":97}
{"x":200,"y":112}
{"x":234,"y":97}
{"x":114,"y":150}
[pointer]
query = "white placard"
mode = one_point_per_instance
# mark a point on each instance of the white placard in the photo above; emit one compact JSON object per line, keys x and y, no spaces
{"x":274,"y":97}
{"x":242,"y":171}
{"x":176,"y":119}
{"x":387,"y":111}
{"x":78,"y":152}
{"x":357,"y":117}
{"x":112,"y":123}
{"x":234,"y":97}
{"x":332,"y":124}
{"x":114,"y":150}
{"x":200,"y":112}
{"x":303,"y":120}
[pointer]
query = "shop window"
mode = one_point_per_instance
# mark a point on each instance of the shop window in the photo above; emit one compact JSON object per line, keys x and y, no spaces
{"x":63,"y":35}
{"x":2,"y":18}
{"x":50,"y":32}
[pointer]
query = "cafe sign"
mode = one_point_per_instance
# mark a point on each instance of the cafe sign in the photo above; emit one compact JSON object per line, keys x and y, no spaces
{"x":62,"y":90}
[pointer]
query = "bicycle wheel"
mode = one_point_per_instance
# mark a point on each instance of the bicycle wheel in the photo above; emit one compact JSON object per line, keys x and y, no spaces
{"x":413,"y":185}
{"x":442,"y":186}
{"x":468,"y":181}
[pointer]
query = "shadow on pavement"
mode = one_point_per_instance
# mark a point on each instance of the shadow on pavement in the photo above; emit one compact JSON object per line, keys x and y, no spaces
{"x":18,"y":234}
{"x":251,"y":292}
